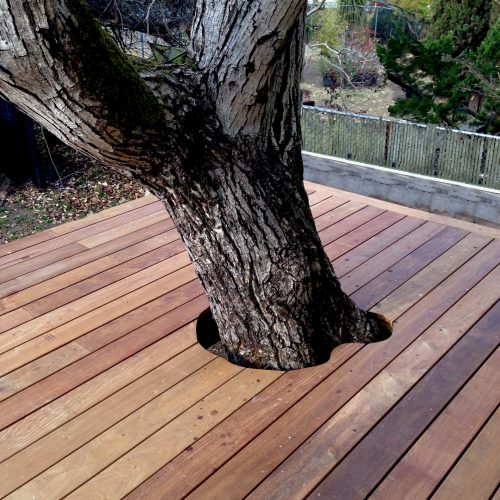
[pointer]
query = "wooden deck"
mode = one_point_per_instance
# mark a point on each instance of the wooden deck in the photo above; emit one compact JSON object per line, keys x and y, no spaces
{"x":105,"y":392}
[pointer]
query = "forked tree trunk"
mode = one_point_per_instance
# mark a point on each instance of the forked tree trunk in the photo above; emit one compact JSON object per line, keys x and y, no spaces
{"x":219,"y":143}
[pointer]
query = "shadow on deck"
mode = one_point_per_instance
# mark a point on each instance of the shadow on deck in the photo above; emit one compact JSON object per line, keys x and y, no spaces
{"x":105,"y":392}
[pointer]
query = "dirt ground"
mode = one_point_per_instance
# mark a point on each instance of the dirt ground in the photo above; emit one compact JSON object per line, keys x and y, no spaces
{"x":369,"y":101}
{"x":87,"y":187}
{"x":373,"y":101}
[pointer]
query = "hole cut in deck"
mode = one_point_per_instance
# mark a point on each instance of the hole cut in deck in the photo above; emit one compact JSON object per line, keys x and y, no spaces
{"x":208,"y":336}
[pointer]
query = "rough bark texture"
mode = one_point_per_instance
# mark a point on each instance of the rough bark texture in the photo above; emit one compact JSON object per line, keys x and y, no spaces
{"x":219,"y":142}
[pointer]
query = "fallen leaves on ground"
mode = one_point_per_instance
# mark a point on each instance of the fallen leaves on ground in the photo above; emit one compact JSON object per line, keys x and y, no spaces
{"x":87,"y":187}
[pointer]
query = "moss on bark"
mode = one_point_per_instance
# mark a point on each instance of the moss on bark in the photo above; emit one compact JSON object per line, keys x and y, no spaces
{"x":106,"y":74}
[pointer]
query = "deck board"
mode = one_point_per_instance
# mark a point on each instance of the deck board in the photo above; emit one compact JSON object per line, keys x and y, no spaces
{"x":357,"y":389}
{"x":138,"y":217}
{"x":420,"y":470}
{"x":399,"y":273}
{"x":105,"y":392}
{"x":360,"y":472}
{"x":478,"y":470}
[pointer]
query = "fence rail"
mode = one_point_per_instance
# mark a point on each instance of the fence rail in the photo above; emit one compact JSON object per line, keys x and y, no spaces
{"x":412,"y":147}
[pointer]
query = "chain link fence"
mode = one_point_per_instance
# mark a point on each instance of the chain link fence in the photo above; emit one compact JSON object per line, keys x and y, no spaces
{"x":412,"y":147}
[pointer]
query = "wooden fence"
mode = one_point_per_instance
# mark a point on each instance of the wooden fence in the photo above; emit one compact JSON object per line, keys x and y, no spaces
{"x":412,"y":147}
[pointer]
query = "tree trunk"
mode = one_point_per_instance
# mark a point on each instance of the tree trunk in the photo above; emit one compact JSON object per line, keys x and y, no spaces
{"x":219,"y":144}
{"x":271,"y":288}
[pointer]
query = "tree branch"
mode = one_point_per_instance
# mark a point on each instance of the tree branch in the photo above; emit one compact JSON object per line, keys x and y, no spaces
{"x":315,"y":9}
{"x":489,"y":88}
{"x":58,"y":66}
{"x":167,"y":19}
{"x":252,"y":42}
{"x":340,"y":56}
{"x":330,"y":63}
{"x":396,"y":79}
{"x":148,"y":13}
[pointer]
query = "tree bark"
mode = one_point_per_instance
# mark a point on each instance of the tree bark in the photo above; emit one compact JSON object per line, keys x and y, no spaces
{"x":219,"y":142}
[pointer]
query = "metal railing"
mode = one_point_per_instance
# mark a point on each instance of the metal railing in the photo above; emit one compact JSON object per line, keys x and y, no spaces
{"x":412,"y":147}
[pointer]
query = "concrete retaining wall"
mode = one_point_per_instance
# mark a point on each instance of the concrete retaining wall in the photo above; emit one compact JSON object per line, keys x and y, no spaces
{"x":450,"y":198}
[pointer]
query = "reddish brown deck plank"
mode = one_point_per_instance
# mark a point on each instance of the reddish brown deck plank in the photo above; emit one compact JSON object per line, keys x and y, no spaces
{"x":36,"y":396}
{"x":28,"y":241}
{"x":359,"y":472}
{"x":184,"y":473}
{"x":329,"y":218}
{"x":245,"y":471}
{"x":420,"y":471}
{"x":307,"y":466}
{"x":44,"y":368}
{"x":493,"y":232}
{"x":93,"y":396}
{"x":42,"y":344}
{"x":76,"y":433}
{"x":38,"y":424}
{"x":374,"y":245}
{"x":87,"y":286}
{"x":115,"y":296}
{"x":110,"y":213}
{"x":408,"y":266}
{"x":385,"y":259}
{"x":476,"y":473}
{"x":127,"y":219}
{"x":89,"y":257}
{"x":32,"y":293}
{"x":362,"y":233}
{"x":432,"y":275}
{"x":35,"y":239}
{"x":100,"y":277}
{"x":348,"y":224}
{"x":26,"y":374}
{"x":329,"y":204}
{"x":41,"y":261}
{"x":318,"y":197}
